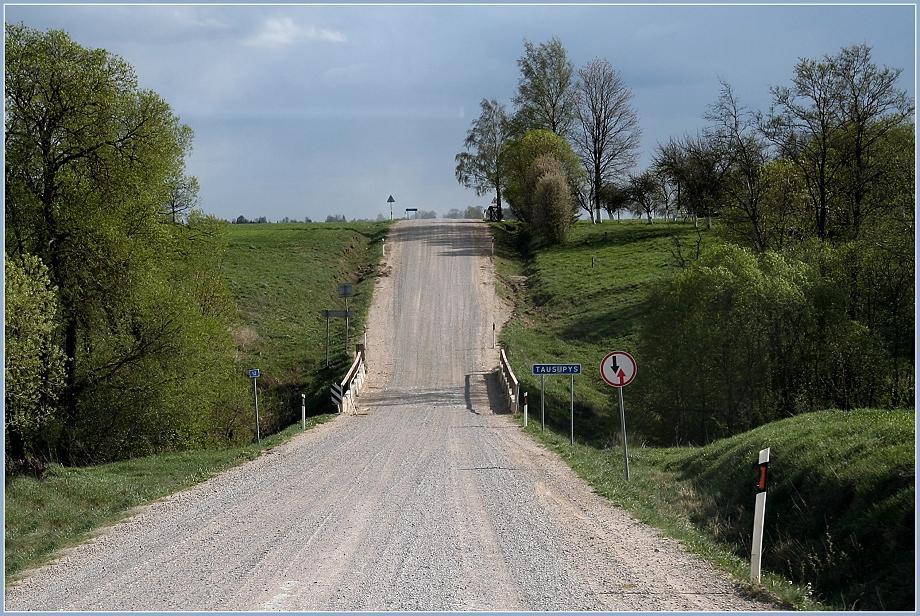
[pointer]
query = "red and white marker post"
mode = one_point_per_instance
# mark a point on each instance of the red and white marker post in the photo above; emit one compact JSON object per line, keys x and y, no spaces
{"x":618,"y":369}
{"x":760,"y":507}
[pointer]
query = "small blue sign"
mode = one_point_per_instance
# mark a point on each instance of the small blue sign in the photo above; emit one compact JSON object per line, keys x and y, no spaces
{"x":254,"y":373}
{"x":542,"y":369}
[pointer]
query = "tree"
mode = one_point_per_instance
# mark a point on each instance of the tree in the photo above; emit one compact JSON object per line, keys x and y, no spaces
{"x":870,"y":107}
{"x":241,"y":220}
{"x":91,"y":163}
{"x":551,"y":195}
{"x":546,"y":94}
{"x":478,"y":168}
{"x":737,"y":133}
{"x":615,"y":198}
{"x":34,"y":366}
{"x":645,"y":193}
{"x":88,"y":154}
{"x":607,"y":131}
{"x":803,"y":123}
{"x":519,"y":156}
{"x":474,"y":212}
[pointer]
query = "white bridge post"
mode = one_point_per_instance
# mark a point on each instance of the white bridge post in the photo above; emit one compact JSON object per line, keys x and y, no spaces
{"x":760,"y":506}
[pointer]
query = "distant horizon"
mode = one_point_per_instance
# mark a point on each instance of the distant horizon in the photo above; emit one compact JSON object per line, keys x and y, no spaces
{"x":321,"y":110}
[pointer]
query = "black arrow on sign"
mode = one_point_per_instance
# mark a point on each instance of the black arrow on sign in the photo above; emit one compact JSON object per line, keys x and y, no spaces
{"x":616,"y":368}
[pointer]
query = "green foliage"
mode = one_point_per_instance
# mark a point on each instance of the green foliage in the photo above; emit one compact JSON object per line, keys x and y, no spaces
{"x":552,"y":199}
{"x":518,"y":159}
{"x":840,"y":509}
{"x":94,"y":182}
{"x":34,"y":364}
{"x":282,"y":276}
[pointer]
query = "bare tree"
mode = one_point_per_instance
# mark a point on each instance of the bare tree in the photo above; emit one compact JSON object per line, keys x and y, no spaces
{"x":870,"y":106}
{"x":546,"y":94}
{"x":737,"y":133}
{"x":804,"y":120}
{"x":645,"y":194}
{"x":607,"y":131}
{"x":478,"y":168}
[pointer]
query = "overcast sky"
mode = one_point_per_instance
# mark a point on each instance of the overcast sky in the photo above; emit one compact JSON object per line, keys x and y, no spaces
{"x":315,"y":110}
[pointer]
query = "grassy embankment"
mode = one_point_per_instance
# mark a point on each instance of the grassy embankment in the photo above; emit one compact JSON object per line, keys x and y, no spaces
{"x":280,"y":276}
{"x":840,"y":508}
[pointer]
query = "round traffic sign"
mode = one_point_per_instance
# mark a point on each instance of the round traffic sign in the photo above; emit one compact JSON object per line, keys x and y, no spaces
{"x":618,"y":368}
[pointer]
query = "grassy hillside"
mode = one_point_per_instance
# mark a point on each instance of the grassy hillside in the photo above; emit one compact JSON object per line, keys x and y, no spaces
{"x":282,"y":276}
{"x":840,"y":508}
{"x":568,"y":311}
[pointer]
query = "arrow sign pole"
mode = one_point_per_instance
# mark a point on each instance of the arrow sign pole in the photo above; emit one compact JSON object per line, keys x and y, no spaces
{"x":623,"y":428}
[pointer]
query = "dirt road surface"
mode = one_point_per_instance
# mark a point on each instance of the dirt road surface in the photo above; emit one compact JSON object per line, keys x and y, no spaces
{"x":430,"y":501}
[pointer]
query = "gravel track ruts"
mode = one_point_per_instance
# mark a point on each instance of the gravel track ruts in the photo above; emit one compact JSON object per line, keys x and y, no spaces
{"x":429,"y":501}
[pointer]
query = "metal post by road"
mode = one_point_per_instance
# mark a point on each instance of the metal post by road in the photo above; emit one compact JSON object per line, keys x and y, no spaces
{"x":542,"y":405}
{"x":525,"y":409}
{"x":572,"y":410}
{"x":255,"y":395}
{"x":623,"y":428}
{"x":493,"y":334}
{"x":303,"y":410}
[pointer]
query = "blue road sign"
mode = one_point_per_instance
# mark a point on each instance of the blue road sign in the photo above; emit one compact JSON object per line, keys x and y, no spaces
{"x":254,"y":373}
{"x":541,"y":369}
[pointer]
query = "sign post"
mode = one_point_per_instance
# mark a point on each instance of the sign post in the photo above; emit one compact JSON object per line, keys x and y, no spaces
{"x":525,"y":409}
{"x":391,"y":201}
{"x":618,"y":369}
{"x":303,"y":410}
{"x":411,"y":209}
{"x":336,"y":314}
{"x":760,"y":507}
{"x":254,"y":374}
{"x":543,"y":370}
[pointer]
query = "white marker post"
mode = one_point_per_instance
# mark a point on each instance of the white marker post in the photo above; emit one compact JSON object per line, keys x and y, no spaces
{"x":760,"y":506}
{"x":493,"y":335}
{"x":525,"y":409}
{"x":254,"y":374}
{"x":303,"y":410}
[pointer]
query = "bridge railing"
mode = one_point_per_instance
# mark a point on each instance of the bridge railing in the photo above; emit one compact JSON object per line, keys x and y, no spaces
{"x":510,"y":384}
{"x":349,"y":388}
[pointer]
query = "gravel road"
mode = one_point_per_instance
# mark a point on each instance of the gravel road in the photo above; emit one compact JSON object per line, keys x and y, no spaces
{"x":429,"y":501}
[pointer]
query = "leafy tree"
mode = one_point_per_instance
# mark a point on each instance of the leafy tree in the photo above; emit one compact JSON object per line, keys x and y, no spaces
{"x":520,"y":155}
{"x":615,"y":198}
{"x":645,"y":194}
{"x":34,"y":366}
{"x":241,"y":220}
{"x":90,"y":174}
{"x":474,"y":212}
{"x":552,"y":199}
{"x":607,"y":133}
{"x":478,"y":168}
{"x":546,"y":94}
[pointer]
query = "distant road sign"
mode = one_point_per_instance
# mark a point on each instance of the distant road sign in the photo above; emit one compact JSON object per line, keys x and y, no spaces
{"x":338,"y":313}
{"x":391,"y":199}
{"x":254,"y":373}
{"x":544,"y":369}
{"x":411,"y":209}
{"x":618,"y":368}
{"x":346,"y":290}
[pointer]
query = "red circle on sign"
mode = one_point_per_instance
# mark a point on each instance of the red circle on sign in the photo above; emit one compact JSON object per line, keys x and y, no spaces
{"x":625,"y":382}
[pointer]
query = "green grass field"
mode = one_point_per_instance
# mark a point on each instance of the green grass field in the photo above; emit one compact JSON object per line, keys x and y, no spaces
{"x":281,"y":276}
{"x":839,"y":530}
